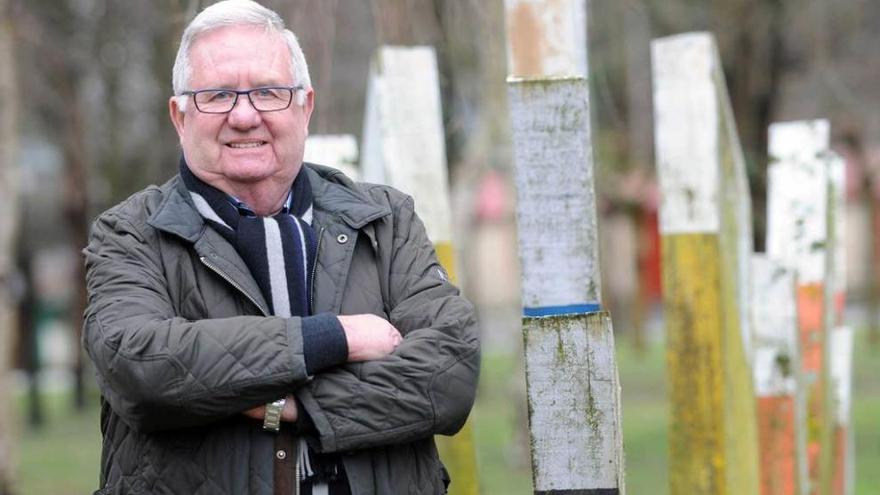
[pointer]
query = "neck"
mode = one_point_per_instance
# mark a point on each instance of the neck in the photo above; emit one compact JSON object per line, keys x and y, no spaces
{"x":265,"y":199}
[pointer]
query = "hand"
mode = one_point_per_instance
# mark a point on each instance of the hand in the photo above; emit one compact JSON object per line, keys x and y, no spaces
{"x":369,"y":337}
{"x":288,"y":414}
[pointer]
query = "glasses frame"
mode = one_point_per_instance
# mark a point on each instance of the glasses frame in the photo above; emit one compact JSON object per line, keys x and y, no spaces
{"x":193,"y":94}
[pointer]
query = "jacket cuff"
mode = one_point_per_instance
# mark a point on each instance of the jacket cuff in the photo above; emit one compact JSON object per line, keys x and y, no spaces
{"x":324,"y":342}
{"x":304,"y":425}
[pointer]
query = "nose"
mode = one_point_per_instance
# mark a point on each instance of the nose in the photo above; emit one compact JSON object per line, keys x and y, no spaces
{"x":243,"y":114}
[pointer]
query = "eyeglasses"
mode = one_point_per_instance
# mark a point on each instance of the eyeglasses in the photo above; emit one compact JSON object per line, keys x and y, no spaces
{"x":265,"y":99}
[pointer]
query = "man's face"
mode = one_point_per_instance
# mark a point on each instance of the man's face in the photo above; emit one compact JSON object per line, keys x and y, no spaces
{"x":244,"y":148}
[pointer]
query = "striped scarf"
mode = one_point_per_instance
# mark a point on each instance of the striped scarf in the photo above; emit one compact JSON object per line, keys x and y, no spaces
{"x":280,"y":253}
{"x":279,"y":250}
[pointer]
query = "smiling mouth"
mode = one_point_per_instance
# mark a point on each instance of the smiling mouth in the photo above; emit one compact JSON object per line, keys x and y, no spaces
{"x":248,"y":144}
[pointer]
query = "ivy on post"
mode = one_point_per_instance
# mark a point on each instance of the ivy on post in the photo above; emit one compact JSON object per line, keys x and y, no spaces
{"x":572,"y":385}
{"x":705,"y":226}
{"x":403,"y":146}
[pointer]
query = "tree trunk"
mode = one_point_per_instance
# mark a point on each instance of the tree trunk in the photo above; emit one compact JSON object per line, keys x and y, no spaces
{"x":406,"y":22}
{"x":853,"y":142}
{"x":76,"y":214}
{"x":8,"y":229}
{"x":28,"y":353}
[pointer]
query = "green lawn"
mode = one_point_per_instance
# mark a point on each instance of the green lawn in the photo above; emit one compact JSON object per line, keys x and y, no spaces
{"x":63,"y":458}
{"x":500,"y":412}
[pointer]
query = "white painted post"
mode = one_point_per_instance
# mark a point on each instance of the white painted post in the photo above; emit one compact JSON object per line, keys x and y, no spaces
{"x":403,"y":143}
{"x":571,"y":373}
{"x":798,"y":237}
{"x":780,"y":401}
{"x":404,"y":147}
{"x":842,"y":475}
{"x":546,"y":38}
{"x":841,"y":351}
{"x":705,"y":222}
{"x":339,"y":151}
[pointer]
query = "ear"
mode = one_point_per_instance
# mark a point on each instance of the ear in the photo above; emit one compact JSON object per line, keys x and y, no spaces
{"x":307,"y":106}
{"x":177,"y":115}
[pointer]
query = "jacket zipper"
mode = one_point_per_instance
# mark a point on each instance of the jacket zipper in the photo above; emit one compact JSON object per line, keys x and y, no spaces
{"x":315,"y":269}
{"x":241,"y":289}
{"x":233,"y":283}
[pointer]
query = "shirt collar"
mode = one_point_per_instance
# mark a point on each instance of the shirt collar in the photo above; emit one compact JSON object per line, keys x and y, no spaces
{"x":245,"y":210}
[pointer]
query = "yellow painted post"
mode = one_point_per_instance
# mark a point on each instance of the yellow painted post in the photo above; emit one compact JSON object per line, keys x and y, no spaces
{"x":705,"y":223}
{"x":403,"y":146}
{"x":800,"y":236}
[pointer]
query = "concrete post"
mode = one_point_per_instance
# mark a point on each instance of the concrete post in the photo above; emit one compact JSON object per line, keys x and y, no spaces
{"x":798,"y":237}
{"x":546,"y":38}
{"x":777,"y":373}
{"x":705,"y":223}
{"x":339,"y":151}
{"x":841,"y":349}
{"x":404,"y":147}
{"x":571,"y":374}
{"x":842,"y":476}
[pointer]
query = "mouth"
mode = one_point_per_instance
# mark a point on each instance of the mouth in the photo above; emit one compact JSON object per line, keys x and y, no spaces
{"x":246,"y":144}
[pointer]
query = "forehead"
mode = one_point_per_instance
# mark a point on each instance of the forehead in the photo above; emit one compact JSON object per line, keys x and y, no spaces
{"x":235,"y":55}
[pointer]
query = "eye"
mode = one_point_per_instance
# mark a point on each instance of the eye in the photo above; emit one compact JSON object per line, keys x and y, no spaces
{"x":266,"y":93}
{"x":220,"y":96}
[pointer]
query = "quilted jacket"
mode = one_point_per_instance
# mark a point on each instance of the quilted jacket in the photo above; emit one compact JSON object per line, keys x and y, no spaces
{"x":179,"y":334}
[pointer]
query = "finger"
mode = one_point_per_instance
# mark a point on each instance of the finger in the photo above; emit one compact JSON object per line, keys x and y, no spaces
{"x":255,"y":413}
{"x":290,"y":411}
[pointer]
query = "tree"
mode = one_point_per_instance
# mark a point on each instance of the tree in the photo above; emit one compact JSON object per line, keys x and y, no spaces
{"x":8,"y":228}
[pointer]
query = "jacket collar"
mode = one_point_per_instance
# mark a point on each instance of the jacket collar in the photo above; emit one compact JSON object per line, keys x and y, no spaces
{"x":333,"y":193}
{"x":337,"y":195}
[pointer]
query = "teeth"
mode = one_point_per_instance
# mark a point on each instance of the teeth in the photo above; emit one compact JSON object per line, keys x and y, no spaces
{"x":253,"y":144}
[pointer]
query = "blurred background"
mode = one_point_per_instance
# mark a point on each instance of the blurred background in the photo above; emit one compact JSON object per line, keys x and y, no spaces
{"x":84,"y":86}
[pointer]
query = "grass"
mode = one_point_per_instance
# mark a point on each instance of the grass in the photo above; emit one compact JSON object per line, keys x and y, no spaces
{"x":645,"y":418}
{"x":63,"y":458}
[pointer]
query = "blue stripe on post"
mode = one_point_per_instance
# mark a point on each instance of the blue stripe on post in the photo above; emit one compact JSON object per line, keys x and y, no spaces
{"x":571,"y":309}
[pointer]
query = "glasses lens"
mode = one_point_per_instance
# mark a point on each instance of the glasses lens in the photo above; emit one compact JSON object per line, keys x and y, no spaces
{"x":214,"y":101}
{"x":269,"y":99}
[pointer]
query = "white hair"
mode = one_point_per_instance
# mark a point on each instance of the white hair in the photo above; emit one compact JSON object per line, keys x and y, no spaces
{"x":237,"y":13}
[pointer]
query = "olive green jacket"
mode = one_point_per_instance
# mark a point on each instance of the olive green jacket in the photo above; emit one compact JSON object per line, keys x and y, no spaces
{"x":180,"y":337}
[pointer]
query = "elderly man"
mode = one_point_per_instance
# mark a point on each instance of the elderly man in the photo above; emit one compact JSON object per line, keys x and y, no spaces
{"x":264,"y":326}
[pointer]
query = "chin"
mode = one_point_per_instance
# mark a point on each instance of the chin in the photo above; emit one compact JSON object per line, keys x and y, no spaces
{"x":249,"y":172}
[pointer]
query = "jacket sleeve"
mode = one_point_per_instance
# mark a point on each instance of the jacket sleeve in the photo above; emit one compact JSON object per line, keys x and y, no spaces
{"x":159,"y":371}
{"x":428,"y":384}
